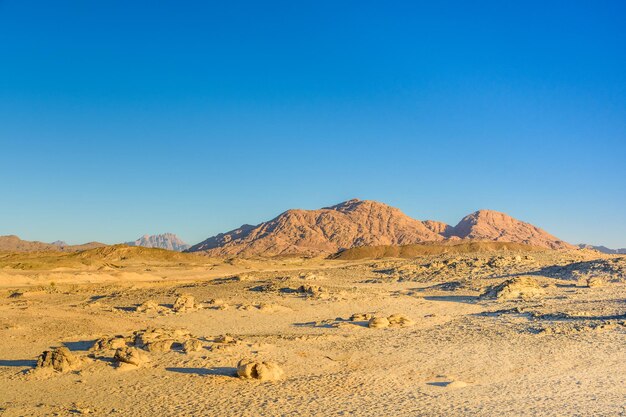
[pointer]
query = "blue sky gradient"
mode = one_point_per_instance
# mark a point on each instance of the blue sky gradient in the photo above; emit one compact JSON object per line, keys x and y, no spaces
{"x":122,"y":118}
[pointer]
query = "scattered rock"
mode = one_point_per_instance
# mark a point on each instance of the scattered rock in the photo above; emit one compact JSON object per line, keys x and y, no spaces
{"x":595,"y":282}
{"x":361,"y":317}
{"x":217,"y":304}
{"x":264,"y":371}
{"x":523,"y":287}
{"x":271,"y":308}
{"x":184,"y":303}
{"x":399,"y":320}
{"x":109,"y":343}
{"x":269,"y":287}
{"x":131,"y":356}
{"x":312,"y":290}
{"x":160,"y":345}
{"x":225,"y":339}
{"x":378,"y":323}
{"x":457,"y":384}
{"x":160,"y":339}
{"x":60,"y":360}
{"x":192,"y":345}
{"x":311,"y":276}
{"x":148,"y":306}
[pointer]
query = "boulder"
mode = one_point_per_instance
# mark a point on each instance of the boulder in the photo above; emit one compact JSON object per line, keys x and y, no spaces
{"x":131,"y":356}
{"x":184,"y":303}
{"x":192,"y":345}
{"x":264,"y":371}
{"x":523,"y":287}
{"x":378,"y":323}
{"x":59,"y":359}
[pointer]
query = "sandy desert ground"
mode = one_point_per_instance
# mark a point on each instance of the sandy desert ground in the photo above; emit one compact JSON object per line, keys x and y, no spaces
{"x":553,"y":349}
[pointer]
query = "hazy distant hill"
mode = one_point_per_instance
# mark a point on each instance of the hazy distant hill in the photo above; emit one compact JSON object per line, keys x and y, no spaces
{"x":102,"y":258}
{"x":357,"y":223}
{"x":603,"y":249}
{"x":163,"y":241}
{"x":13,"y":243}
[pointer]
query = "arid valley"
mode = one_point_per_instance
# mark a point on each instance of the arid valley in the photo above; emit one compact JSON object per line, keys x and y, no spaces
{"x":457,"y":327}
{"x":312,"y":209}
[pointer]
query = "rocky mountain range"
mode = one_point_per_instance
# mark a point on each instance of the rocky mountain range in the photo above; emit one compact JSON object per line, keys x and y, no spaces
{"x":163,"y":241}
{"x":366,"y":223}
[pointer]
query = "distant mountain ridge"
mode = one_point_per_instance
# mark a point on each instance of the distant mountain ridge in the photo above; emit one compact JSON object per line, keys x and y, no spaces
{"x":167,"y":241}
{"x":603,"y":249}
{"x":13,"y":243}
{"x":355,"y":223}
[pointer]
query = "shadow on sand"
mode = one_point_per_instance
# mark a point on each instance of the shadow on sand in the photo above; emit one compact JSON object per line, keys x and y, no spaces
{"x":466,"y":299}
{"x":219,"y":370}
{"x":81,"y":345}
{"x":20,"y":363}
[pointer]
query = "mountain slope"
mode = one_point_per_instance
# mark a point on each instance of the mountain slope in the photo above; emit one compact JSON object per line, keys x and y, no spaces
{"x":167,"y":241}
{"x":327,"y":230}
{"x":356,"y":223}
{"x":499,"y":227}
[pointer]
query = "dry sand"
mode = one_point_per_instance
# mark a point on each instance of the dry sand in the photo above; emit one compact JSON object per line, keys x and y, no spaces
{"x":305,"y":324}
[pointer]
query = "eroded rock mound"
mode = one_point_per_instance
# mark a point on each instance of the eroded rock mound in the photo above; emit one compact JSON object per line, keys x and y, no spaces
{"x":312,"y":290}
{"x":59,"y":359}
{"x":131,"y":356}
{"x":378,"y":323}
{"x":109,"y":343}
{"x":264,"y":371}
{"x":184,"y":303}
{"x":225,"y":339}
{"x":523,"y":287}
{"x":149,"y":306}
{"x":399,"y":320}
{"x":361,"y":317}
{"x":164,"y":345}
{"x":192,"y":345}
{"x":595,"y":282}
{"x":395,"y":320}
{"x":159,"y":339}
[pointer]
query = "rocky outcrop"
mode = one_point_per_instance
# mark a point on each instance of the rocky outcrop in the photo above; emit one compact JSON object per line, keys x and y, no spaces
{"x":167,"y":241}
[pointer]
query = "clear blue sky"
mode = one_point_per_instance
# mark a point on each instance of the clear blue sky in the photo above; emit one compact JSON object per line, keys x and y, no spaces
{"x":119,"y":118}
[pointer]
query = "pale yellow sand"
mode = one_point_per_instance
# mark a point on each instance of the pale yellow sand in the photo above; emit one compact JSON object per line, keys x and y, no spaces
{"x":558,"y":355}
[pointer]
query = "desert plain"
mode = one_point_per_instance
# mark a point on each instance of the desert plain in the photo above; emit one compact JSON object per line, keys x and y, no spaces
{"x":500,"y":330}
